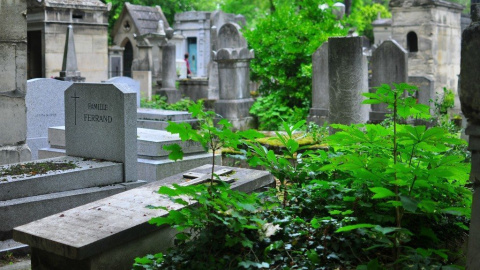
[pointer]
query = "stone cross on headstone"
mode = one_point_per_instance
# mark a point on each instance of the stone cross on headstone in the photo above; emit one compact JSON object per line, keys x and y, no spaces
{"x":100,"y":123}
{"x":469,"y":96}
{"x":200,"y":178}
{"x":69,"y":67}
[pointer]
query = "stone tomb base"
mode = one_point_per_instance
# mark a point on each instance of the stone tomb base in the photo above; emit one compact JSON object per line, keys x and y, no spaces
{"x":237,"y":111}
{"x":318,"y":116}
{"x":110,"y":233}
{"x":27,"y":198}
{"x":152,"y":162}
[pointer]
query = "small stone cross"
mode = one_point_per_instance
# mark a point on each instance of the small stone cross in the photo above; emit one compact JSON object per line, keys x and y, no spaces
{"x":200,"y":178}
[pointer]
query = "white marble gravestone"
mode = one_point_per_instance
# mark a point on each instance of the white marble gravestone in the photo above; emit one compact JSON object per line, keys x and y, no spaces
{"x":45,"y":108}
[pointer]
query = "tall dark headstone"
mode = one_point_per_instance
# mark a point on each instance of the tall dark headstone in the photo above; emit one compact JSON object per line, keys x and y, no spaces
{"x":320,"y":95}
{"x":69,"y":67}
{"x":389,"y":65}
{"x":348,"y":80}
{"x":469,"y":97}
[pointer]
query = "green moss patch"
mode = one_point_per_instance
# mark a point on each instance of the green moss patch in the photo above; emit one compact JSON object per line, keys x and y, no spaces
{"x":35,"y":168}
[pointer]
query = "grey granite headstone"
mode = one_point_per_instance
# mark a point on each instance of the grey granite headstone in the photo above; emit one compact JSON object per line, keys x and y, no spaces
{"x":389,"y":65}
{"x":233,"y":58}
{"x":229,"y":36}
{"x":426,"y":89}
{"x":100,"y":123}
{"x":320,"y":94}
{"x":469,"y":97}
{"x":45,"y":108}
{"x":348,"y":79}
{"x":133,"y":84}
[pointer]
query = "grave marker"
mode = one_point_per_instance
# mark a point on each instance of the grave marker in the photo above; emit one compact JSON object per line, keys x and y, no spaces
{"x":45,"y":108}
{"x":389,"y":65}
{"x":100,"y":123}
{"x":133,"y":84}
{"x":320,"y":85}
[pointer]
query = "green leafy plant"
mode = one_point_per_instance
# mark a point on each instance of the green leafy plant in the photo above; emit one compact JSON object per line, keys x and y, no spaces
{"x":408,"y":179}
{"x":160,"y":102}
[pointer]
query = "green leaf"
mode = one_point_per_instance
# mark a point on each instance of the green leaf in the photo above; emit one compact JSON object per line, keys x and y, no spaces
{"x":353,"y":227}
{"x":381,"y":193}
{"x":176,"y":152}
{"x":409,"y":204}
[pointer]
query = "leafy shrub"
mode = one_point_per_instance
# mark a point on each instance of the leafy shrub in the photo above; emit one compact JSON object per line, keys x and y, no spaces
{"x":383,"y":197}
{"x":160,"y":102}
{"x":284,"y":42}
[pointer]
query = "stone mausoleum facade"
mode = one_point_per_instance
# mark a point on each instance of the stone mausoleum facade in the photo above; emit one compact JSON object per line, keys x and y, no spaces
{"x":47,"y":22}
{"x":430,"y":30}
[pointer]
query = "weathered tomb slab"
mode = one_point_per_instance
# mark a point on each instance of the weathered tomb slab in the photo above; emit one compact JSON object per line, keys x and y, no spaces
{"x":100,"y":123}
{"x":110,"y":232}
{"x":88,"y":173}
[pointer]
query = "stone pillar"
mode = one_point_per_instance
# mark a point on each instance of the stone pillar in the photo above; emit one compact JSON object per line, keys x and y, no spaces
{"x":234,"y":96}
{"x":142,"y":68}
{"x":213,"y":67}
{"x":469,"y":98}
{"x":169,"y":74}
{"x":320,"y":89}
{"x":13,"y":79}
{"x":348,"y":79}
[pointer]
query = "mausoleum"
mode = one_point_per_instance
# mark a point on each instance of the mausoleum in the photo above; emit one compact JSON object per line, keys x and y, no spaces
{"x":47,"y":22}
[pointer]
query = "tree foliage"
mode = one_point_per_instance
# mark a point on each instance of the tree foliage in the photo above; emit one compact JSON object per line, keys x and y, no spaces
{"x":284,"y":42}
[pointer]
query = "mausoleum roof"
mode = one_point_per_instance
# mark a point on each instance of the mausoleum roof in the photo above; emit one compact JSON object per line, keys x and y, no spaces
{"x":75,"y":4}
{"x":145,"y":18}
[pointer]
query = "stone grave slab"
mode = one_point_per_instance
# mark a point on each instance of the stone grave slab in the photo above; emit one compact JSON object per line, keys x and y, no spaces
{"x":111,"y":232}
{"x":45,"y":108}
{"x":100,"y":123}
{"x":158,"y":119}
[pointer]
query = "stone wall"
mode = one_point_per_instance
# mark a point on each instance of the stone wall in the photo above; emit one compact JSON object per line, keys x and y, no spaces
{"x":13,"y":79}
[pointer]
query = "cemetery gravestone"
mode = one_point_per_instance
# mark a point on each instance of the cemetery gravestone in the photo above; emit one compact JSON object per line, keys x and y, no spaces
{"x":320,"y":91}
{"x":100,"y":123}
{"x":45,"y":108}
{"x":389,"y":65}
{"x":69,"y":67}
{"x":133,"y":84}
{"x":233,"y":58}
{"x":348,"y":78}
{"x":426,"y":90}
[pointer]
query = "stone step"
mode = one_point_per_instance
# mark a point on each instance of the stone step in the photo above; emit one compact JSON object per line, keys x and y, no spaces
{"x":162,"y":115}
{"x":154,"y":169}
{"x":89,"y":173}
{"x":20,"y":211}
{"x":150,"y":142}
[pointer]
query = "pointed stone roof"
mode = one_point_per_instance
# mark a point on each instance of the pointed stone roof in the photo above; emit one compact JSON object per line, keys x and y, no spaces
{"x":144,"y":18}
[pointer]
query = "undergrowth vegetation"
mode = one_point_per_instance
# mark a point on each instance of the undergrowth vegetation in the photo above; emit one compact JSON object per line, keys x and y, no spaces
{"x":383,"y":196}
